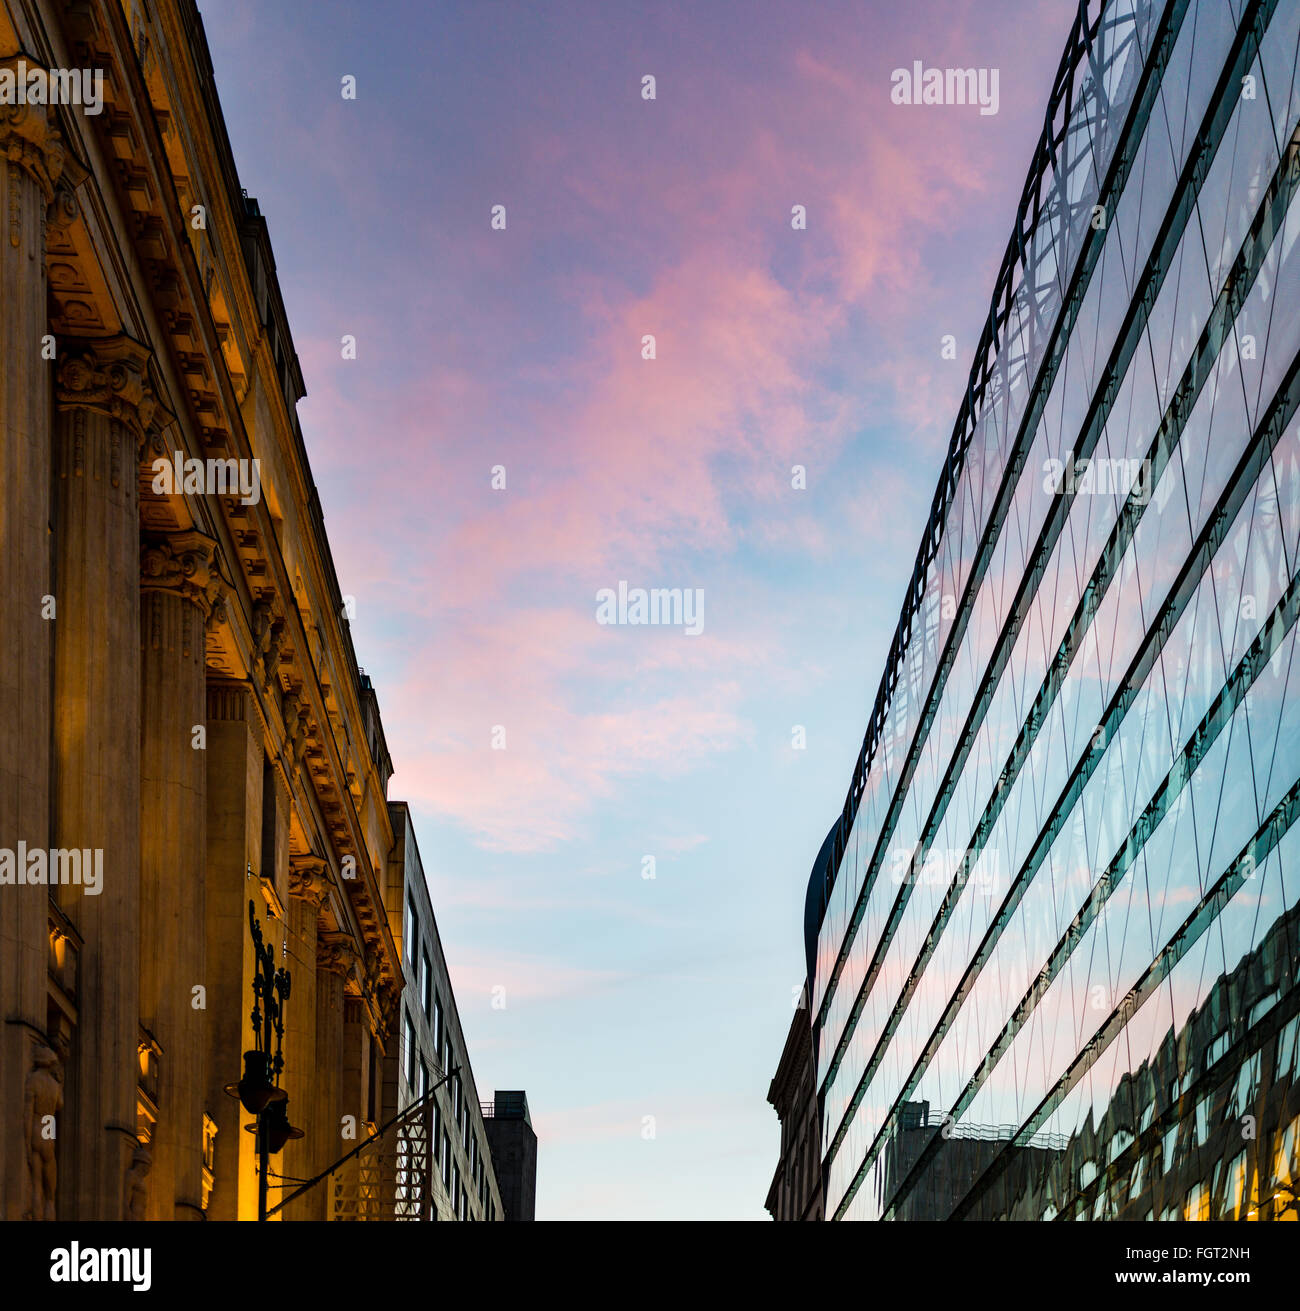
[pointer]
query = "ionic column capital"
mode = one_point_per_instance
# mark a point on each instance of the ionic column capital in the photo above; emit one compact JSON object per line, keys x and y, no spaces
{"x":28,"y":138}
{"x":185,"y":563}
{"x":109,"y":375}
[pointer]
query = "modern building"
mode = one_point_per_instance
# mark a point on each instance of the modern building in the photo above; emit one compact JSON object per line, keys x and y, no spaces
{"x":1052,"y":937}
{"x":514,"y":1152}
{"x":796,"y":1191}
{"x":432,"y":1045}
{"x":191,"y":762}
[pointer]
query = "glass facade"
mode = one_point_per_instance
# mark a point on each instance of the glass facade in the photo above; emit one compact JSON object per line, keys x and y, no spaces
{"x":1053,"y":938}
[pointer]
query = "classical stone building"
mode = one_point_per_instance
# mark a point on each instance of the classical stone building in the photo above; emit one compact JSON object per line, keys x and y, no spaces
{"x":185,"y":729}
{"x":796,"y":1189}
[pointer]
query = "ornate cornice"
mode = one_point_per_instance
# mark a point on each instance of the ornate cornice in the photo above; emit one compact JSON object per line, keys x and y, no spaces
{"x":184,"y":563}
{"x":296,"y":713}
{"x":28,"y":138}
{"x":110,"y":375}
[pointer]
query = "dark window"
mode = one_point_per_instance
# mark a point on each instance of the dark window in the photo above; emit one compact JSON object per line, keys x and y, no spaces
{"x":412,"y":928}
{"x":439,"y":1029}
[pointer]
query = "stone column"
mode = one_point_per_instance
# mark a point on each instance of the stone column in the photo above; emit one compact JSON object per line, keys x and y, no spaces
{"x":104,"y":411}
{"x":309,"y":885}
{"x":31,"y":162}
{"x":178,"y":589}
{"x":353,"y":1081}
{"x":336,"y":961}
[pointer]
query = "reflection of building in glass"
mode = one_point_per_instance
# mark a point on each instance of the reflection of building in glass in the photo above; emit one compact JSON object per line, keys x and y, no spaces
{"x":1205,"y":1129}
{"x":1064,"y":880}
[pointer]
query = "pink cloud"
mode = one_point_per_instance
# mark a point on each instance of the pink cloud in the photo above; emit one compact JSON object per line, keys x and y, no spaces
{"x":622,"y":468}
{"x":477,"y":974}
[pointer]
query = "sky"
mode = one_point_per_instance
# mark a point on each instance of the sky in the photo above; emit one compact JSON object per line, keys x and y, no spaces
{"x":618,"y":820}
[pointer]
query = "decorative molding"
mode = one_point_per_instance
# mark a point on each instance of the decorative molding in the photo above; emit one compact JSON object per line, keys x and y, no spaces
{"x":186,"y":564}
{"x":42,"y":1099}
{"x":64,"y":208}
{"x":309,"y":879}
{"x":30,"y":141}
{"x":390,"y":1001}
{"x":110,"y":376}
{"x":337,"y":954}
{"x":229,"y":703}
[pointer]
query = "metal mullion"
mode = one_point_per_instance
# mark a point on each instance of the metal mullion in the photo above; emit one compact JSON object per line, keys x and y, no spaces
{"x":1259,"y":238}
{"x":1135,"y":127}
{"x":1252,"y":856}
{"x":1117,"y":174}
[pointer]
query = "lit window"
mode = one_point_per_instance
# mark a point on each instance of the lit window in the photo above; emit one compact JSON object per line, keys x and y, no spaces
{"x":1285,"y":1169}
{"x":209,"y":1158}
{"x":1198,"y":1203}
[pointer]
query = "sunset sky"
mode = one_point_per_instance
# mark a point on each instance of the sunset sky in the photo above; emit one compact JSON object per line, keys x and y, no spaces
{"x":629,"y":997}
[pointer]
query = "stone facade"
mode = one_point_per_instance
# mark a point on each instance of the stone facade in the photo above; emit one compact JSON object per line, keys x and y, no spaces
{"x":796,"y":1190}
{"x":180,"y":702}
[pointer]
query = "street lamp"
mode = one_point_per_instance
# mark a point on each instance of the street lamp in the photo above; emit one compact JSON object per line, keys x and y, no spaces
{"x":259,"y":1091}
